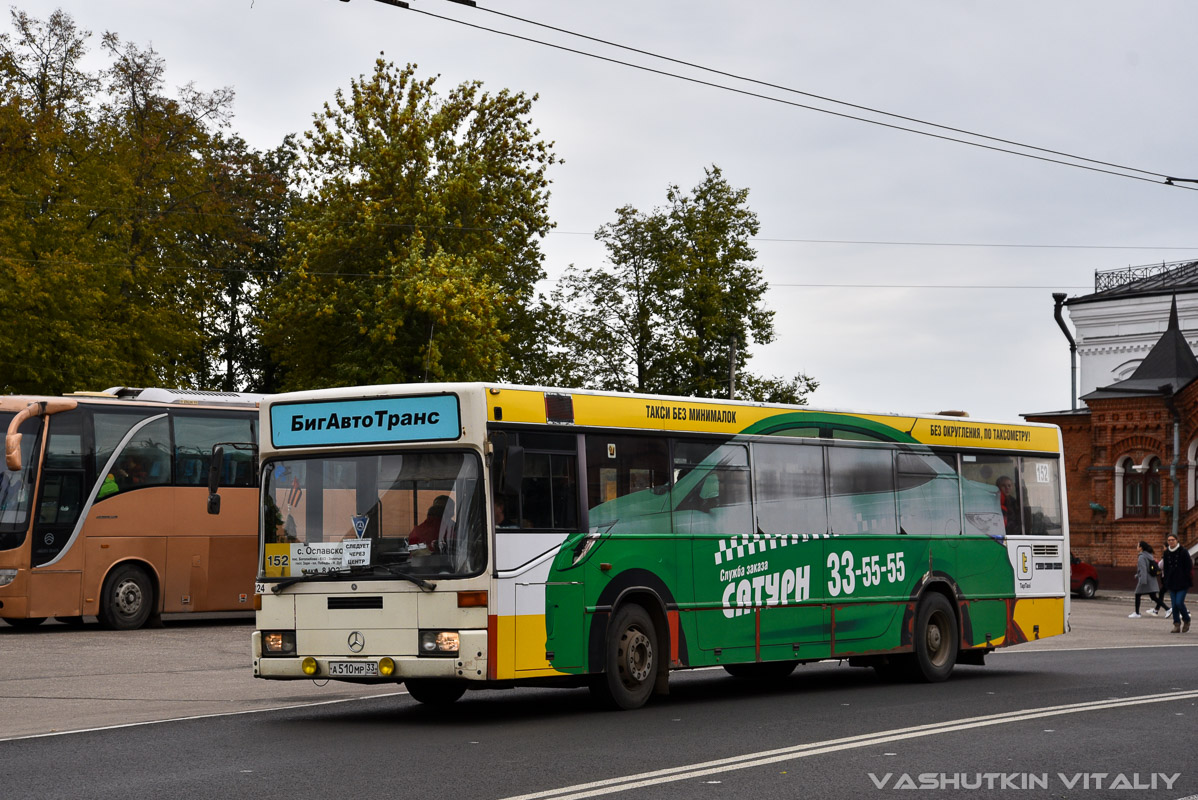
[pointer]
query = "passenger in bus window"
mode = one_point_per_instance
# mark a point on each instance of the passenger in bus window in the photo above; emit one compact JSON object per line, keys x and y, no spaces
{"x":436,"y":532}
{"x":501,"y":520}
{"x":1010,"y":504}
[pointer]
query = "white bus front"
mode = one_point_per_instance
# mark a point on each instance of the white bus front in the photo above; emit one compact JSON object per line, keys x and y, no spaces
{"x":374,"y":556}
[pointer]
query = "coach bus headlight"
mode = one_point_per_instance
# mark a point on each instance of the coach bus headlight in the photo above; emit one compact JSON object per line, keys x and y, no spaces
{"x":309,"y":666}
{"x":386,"y":667}
{"x":278,"y":643}
{"x":7,"y":576}
{"x":439,"y":643}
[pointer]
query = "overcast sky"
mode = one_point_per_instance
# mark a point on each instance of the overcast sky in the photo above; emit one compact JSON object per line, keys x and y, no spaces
{"x":1111,"y":81}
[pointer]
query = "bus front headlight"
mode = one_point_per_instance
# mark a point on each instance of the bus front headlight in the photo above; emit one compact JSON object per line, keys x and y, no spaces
{"x":278,"y":643}
{"x":7,"y":576}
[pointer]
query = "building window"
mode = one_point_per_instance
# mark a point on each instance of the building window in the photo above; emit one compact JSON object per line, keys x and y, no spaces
{"x":1142,"y":490}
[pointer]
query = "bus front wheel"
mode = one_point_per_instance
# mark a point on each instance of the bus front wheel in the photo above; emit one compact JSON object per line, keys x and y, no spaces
{"x":127,"y":599}
{"x":630,"y":670}
{"x":432,"y":692}
{"x":936,"y":639}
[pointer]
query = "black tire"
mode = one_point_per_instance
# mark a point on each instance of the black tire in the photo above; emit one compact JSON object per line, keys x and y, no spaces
{"x":630,"y":661}
{"x":433,"y":692}
{"x":127,"y":599}
{"x":1088,"y":588}
{"x":766,"y":671}
{"x":25,"y":623}
{"x":937,"y":639}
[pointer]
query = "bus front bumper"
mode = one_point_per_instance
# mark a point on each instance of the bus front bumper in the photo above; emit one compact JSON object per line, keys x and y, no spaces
{"x":470,"y":663}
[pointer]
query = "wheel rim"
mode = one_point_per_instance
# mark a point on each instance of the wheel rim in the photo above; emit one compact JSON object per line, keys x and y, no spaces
{"x":937,"y":639}
{"x":636,"y":657}
{"x":129,"y":598}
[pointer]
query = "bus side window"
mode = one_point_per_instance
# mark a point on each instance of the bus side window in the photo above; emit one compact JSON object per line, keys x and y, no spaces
{"x":195,"y":436}
{"x":929,"y":494}
{"x":788,"y":481}
{"x":1040,"y":482}
{"x":711,"y":491}
{"x":144,"y":461}
{"x":861,"y":490}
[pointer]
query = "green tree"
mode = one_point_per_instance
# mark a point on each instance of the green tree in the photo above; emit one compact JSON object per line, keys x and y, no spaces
{"x":415,"y":246}
{"x":115,"y":215}
{"x":681,"y":296}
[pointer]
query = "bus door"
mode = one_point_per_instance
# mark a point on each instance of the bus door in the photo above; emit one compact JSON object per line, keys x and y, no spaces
{"x":54,"y":586}
{"x":768,"y":574}
{"x":712,"y":512}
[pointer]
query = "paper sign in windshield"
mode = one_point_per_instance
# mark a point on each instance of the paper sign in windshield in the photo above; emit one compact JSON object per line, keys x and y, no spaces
{"x":317,"y":557}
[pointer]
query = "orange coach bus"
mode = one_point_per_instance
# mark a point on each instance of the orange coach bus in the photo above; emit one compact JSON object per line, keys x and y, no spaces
{"x":103,"y":505}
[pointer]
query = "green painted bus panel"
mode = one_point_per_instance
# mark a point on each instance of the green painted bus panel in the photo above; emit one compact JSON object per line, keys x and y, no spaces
{"x":784,"y":424}
{"x":867,"y":627}
{"x":985,"y":618}
{"x":751,"y":595}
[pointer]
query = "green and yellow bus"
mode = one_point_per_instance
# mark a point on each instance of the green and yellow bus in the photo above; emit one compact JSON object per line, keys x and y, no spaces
{"x":462,"y":536}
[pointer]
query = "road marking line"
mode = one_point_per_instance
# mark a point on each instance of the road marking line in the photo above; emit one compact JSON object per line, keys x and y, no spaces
{"x":762,"y":758}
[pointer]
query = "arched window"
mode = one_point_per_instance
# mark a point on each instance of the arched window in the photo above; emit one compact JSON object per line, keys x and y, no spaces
{"x":1142,"y":490}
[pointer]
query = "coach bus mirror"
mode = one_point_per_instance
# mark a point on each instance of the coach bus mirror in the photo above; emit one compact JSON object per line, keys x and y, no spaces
{"x":12,"y":451}
{"x":513,"y":470}
{"x":214,"y":467}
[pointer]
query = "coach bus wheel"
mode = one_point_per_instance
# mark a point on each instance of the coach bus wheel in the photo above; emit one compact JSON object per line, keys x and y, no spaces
{"x":127,"y":599}
{"x":631,"y":660}
{"x":25,"y":623}
{"x":936,"y":641}
{"x":766,"y":671}
{"x":432,"y":692}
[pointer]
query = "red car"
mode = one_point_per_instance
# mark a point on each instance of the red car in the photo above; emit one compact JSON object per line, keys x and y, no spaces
{"x":1083,"y":578}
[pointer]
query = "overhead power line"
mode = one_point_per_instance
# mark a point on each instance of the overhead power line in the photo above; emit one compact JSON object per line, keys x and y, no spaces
{"x":1108,"y":168}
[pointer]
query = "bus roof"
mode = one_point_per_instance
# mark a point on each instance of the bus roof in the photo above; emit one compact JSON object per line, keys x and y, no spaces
{"x":516,"y":404}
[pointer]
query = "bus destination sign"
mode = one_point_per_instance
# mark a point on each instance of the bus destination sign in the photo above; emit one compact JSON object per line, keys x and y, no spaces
{"x":379,"y":420}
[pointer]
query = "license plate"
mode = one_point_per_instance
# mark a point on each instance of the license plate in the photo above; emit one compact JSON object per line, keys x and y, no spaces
{"x":354,"y":669}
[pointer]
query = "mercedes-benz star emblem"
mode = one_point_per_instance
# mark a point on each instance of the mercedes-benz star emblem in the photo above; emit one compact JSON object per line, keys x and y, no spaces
{"x":356,"y":641}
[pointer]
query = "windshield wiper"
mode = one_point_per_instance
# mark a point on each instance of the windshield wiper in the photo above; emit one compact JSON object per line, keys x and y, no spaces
{"x":359,"y":569}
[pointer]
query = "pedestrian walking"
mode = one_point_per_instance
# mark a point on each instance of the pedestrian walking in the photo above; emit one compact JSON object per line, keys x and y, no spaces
{"x":1146,"y":580}
{"x":1179,"y":577}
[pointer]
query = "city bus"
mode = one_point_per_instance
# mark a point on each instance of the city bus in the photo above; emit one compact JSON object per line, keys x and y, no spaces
{"x":102,"y":505}
{"x":464,"y":536}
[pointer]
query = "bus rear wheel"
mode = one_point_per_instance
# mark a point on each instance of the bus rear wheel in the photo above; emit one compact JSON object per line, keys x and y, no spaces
{"x":630,"y":670}
{"x":25,"y":623}
{"x":127,"y":599}
{"x":936,"y":639}
{"x":432,"y":692}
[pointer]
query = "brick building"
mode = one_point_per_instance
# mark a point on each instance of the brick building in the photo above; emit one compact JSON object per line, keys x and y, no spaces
{"x":1121,"y":452}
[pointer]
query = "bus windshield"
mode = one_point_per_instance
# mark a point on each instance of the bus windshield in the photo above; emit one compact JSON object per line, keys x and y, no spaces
{"x":16,"y":488}
{"x":420,"y":513}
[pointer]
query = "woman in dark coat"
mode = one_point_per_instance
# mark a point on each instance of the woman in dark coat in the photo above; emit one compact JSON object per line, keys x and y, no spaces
{"x":1179,"y":568}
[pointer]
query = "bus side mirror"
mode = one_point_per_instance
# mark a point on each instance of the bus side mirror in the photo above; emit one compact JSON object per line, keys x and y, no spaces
{"x":513,"y":470}
{"x":214,"y":467}
{"x":12,"y":451}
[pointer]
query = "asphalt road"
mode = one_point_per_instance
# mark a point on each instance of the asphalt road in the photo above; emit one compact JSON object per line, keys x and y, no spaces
{"x":1112,"y":705}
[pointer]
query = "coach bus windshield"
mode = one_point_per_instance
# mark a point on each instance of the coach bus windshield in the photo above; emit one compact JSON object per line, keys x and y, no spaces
{"x":418,"y":513}
{"x":16,"y":488}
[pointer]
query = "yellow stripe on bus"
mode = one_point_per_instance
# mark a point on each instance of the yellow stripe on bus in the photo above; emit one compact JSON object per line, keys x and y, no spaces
{"x":675,"y":414}
{"x":1046,"y":612}
{"x":520,"y":649}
